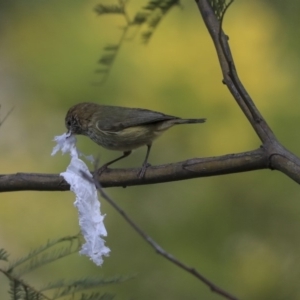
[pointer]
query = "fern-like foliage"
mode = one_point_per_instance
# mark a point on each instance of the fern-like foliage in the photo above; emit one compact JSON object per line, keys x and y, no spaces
{"x":33,"y":257}
{"x":147,"y":18}
{"x":220,"y":7}
{"x":15,"y":290}
{"x":102,"y":9}
{"x":3,"y":254}
{"x":53,"y":250}
{"x":65,"y":288}
{"x":153,"y":12}
{"x":140,"y":18}
{"x":97,"y":296}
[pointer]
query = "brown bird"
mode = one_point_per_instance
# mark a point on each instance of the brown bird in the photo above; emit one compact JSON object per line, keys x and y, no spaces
{"x":120,"y":128}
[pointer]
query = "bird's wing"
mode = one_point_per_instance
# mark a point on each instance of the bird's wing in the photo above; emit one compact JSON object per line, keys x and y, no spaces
{"x":114,"y":118}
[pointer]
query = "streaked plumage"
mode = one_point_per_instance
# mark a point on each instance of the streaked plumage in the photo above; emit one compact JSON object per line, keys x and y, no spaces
{"x":120,"y":128}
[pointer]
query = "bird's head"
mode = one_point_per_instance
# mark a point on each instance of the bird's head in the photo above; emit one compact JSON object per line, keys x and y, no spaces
{"x":74,"y":120}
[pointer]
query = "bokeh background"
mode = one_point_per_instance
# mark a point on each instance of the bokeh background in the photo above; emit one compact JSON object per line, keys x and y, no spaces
{"x":241,"y":231}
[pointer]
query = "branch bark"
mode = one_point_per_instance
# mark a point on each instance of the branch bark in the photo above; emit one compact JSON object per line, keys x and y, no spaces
{"x":271,"y":155}
{"x":192,"y":168}
{"x":279,"y":158}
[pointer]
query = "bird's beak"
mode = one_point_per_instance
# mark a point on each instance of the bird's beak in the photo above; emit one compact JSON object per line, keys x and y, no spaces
{"x":69,"y":133}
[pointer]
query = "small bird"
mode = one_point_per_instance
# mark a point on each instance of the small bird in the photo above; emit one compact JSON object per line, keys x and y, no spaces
{"x":120,"y":128}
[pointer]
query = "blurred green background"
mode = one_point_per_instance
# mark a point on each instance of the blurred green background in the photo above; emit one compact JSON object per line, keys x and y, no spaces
{"x":241,"y":231}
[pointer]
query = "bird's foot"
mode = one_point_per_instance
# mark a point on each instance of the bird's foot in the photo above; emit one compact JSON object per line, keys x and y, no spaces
{"x":142,"y":171}
{"x":101,"y":170}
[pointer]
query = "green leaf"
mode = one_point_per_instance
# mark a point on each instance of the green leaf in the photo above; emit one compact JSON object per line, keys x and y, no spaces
{"x":3,"y":254}
{"x":102,"y":9}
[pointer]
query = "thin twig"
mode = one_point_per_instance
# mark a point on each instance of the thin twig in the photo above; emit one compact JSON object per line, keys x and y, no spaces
{"x":116,"y":52}
{"x":6,"y":116}
{"x":154,"y":244}
{"x":230,"y":76}
{"x":123,"y":5}
{"x":279,"y":158}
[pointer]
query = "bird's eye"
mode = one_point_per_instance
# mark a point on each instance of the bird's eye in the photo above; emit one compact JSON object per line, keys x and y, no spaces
{"x":69,"y":123}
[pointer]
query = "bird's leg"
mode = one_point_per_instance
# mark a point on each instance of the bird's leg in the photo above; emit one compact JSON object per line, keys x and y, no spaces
{"x":145,"y":165}
{"x":104,"y":167}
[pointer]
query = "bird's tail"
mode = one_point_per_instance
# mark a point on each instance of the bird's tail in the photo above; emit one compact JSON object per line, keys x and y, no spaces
{"x":188,"y":121}
{"x":169,"y":123}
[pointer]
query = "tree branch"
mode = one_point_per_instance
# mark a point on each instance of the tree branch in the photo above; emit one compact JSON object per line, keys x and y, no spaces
{"x":192,"y":168}
{"x":230,"y":77}
{"x":213,"y":287}
{"x":279,"y":158}
{"x":271,"y":155}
